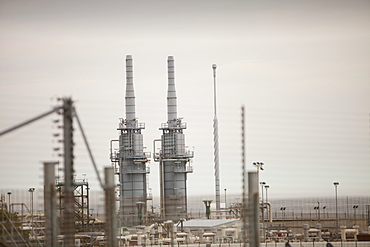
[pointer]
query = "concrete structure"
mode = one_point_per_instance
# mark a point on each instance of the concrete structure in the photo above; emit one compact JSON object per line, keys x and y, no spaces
{"x":130,"y":160}
{"x":344,"y":231}
{"x":173,"y":158}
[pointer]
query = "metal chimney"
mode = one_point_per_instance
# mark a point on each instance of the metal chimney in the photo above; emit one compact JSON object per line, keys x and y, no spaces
{"x":130,"y":160}
{"x":173,"y":157}
{"x":171,"y":91}
{"x":130,"y":94}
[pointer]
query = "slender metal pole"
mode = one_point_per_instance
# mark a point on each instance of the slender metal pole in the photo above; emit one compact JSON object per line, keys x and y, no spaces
{"x":244,"y":184}
{"x":318,"y":210}
{"x":263,"y":211}
{"x":262,"y":201}
{"x":336,"y":206}
{"x":215,"y":144}
{"x":267,"y":203}
{"x":9,"y":193}
{"x":31,"y":190}
{"x":225,"y":199}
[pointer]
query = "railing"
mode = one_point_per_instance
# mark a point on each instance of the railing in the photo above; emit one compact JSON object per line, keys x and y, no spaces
{"x":187,"y":169}
{"x":180,"y":125}
{"x":147,"y":154}
{"x":137,"y":170}
{"x":114,"y":155}
{"x":123,"y":124}
{"x":189,"y":153}
{"x":14,"y":236}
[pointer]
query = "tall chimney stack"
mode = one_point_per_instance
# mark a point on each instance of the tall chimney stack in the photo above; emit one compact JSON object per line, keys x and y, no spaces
{"x":171,"y":92}
{"x":130,"y":94}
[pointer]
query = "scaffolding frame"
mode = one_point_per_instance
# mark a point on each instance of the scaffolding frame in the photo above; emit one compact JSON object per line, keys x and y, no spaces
{"x":83,"y":220}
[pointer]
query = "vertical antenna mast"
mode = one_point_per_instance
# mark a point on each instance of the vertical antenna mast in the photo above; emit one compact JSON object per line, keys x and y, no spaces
{"x":244,"y":182}
{"x":215,"y":144}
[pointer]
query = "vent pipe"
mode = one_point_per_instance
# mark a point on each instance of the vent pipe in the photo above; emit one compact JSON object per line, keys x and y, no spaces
{"x":130,"y":95}
{"x":171,"y":92}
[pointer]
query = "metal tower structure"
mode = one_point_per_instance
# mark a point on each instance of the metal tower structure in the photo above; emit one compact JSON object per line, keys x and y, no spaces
{"x":215,"y":145}
{"x":83,"y":221}
{"x":130,"y":161}
{"x":173,"y":157}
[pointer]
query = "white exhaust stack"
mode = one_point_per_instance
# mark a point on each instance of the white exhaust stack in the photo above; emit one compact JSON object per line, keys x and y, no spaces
{"x":130,"y":95}
{"x":171,"y":92}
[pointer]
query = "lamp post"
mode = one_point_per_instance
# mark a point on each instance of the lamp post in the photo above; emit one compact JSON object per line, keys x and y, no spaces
{"x":318,"y":209}
{"x":263,"y":209}
{"x":336,"y":205}
{"x":268,"y":209}
{"x":31,"y":190}
{"x":262,"y":202}
{"x":282,"y":212}
{"x":259,"y":166}
{"x":225,"y":199}
{"x":323,"y":211}
{"x":354,"y":209}
{"x":9,"y":193}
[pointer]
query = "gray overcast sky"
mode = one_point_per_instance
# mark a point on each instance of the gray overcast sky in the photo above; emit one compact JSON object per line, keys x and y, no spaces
{"x":301,"y":68}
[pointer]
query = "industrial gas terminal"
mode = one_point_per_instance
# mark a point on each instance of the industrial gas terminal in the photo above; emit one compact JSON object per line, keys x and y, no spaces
{"x":129,"y":219}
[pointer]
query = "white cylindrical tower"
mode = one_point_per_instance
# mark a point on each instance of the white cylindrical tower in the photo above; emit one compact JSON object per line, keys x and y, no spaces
{"x":171,"y":91}
{"x":130,"y":94}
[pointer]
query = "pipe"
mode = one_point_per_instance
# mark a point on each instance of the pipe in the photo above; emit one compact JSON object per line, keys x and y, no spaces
{"x":130,"y":94}
{"x":161,"y":178}
{"x":110,"y":209}
{"x":253,"y":206}
{"x":50,"y":206}
{"x":171,"y":91}
{"x":30,"y":120}
{"x":270,"y":210}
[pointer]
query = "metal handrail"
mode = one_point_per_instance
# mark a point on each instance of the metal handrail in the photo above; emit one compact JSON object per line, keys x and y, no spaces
{"x":17,"y":231}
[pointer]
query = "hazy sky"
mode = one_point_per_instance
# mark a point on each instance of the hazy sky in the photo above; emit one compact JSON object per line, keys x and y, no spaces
{"x":300,"y":68}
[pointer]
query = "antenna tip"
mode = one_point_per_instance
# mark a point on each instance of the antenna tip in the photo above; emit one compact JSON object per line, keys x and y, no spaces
{"x":128,"y":56}
{"x":214,"y":66}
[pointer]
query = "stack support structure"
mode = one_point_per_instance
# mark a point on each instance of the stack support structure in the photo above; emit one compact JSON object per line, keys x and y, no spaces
{"x":130,"y":160}
{"x":173,"y":157}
